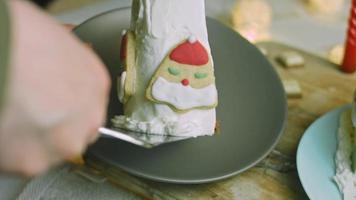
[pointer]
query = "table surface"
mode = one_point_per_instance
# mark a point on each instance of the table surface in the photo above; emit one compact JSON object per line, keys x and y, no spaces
{"x":324,"y":88}
{"x":292,"y":23}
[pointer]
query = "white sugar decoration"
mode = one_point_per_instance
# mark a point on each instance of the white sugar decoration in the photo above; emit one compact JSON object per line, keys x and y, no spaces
{"x":192,"y":39}
{"x":291,"y":59}
{"x":292,"y":88}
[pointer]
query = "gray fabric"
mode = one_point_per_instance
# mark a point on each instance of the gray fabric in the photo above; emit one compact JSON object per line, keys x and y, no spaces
{"x":11,"y":186}
{"x":64,"y":183}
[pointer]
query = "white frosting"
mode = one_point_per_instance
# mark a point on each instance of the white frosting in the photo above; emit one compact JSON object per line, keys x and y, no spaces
{"x":121,"y":86}
{"x":183,"y":97}
{"x":123,"y":32}
{"x":344,"y":177}
{"x":185,"y":17}
{"x":160,"y":25}
{"x":184,"y":125}
{"x":192,"y":39}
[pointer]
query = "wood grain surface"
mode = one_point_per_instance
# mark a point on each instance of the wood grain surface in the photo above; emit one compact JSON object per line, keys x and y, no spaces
{"x":324,"y":88}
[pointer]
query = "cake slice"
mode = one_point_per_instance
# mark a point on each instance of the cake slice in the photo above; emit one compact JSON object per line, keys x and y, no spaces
{"x":344,"y":160}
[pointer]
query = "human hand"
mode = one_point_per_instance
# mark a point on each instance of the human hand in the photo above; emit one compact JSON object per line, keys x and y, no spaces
{"x":57,"y":94}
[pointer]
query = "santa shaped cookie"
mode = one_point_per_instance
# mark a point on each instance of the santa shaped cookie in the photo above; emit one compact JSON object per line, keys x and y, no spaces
{"x":128,"y":76}
{"x":185,"y":79}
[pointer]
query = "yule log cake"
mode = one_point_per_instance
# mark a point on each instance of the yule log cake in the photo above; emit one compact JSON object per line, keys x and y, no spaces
{"x":167,"y":85}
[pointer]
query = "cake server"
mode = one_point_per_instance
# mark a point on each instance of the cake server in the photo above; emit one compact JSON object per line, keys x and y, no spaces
{"x":140,"y":139}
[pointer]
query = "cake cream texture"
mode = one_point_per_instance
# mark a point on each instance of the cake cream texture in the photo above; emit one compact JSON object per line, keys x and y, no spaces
{"x":344,"y":176}
{"x":168,"y":84}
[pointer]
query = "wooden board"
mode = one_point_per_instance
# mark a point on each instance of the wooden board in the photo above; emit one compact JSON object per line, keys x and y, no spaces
{"x":324,"y":88}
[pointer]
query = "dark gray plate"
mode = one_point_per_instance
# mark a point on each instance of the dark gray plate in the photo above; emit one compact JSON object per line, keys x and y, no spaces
{"x":251,"y":112}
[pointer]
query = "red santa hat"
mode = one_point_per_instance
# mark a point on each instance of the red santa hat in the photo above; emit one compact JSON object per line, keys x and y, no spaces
{"x":191,"y":52}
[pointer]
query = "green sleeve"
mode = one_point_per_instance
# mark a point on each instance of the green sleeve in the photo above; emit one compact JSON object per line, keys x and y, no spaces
{"x":4,"y":47}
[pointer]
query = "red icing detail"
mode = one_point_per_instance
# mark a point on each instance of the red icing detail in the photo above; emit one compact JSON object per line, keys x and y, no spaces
{"x":185,"y":82}
{"x":190,"y":54}
{"x":123,"y":49}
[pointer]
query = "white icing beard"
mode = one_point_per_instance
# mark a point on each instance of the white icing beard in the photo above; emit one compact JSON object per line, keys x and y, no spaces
{"x":183,"y":97}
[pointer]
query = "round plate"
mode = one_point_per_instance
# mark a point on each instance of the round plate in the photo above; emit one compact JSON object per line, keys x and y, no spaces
{"x":315,"y":157}
{"x":251,"y":112}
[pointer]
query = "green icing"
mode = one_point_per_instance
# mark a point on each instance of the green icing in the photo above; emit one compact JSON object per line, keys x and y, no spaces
{"x":200,"y":75}
{"x":173,"y":71}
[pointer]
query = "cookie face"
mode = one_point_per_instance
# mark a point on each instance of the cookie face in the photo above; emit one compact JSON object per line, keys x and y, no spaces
{"x":196,"y":77}
{"x":185,"y":79}
{"x":127,"y":55}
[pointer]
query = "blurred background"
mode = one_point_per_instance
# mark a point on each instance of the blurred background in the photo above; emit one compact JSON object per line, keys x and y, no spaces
{"x":317,"y":26}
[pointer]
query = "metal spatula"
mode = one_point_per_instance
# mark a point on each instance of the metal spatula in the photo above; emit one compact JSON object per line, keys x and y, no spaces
{"x":140,"y":139}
